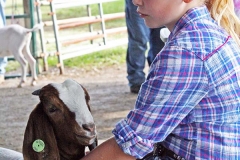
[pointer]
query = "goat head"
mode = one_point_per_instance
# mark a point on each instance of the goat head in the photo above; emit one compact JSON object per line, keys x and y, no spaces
{"x":62,"y":121}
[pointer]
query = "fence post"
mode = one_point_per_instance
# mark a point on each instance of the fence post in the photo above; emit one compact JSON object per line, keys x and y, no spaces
{"x":28,"y":7}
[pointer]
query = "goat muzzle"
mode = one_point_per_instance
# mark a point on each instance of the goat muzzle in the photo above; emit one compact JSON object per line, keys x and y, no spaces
{"x":89,"y":127}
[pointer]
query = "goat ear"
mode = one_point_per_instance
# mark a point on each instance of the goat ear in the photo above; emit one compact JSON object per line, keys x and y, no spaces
{"x":87,"y":97}
{"x":37,"y":92}
{"x":39,"y":127}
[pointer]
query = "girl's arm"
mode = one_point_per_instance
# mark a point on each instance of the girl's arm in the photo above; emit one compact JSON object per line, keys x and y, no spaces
{"x":108,"y":150}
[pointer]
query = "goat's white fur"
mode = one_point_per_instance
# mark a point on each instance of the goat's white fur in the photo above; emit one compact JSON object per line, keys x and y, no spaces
{"x":15,"y":40}
{"x":72,"y":94}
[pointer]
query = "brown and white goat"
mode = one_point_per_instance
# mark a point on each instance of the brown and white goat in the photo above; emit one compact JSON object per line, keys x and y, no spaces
{"x":15,"y":40}
{"x":63,"y":121}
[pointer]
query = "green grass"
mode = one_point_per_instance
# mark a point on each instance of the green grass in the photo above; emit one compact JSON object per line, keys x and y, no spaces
{"x":12,"y":65}
{"x":115,"y":56}
{"x":102,"y":58}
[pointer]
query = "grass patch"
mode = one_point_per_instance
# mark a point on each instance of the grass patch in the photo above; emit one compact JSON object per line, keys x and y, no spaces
{"x":115,"y":56}
{"x":12,"y":66}
{"x":80,"y":11}
{"x":107,"y":57}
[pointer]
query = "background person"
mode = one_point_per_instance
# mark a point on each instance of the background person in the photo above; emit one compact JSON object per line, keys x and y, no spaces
{"x":138,"y":37}
{"x":3,"y":60}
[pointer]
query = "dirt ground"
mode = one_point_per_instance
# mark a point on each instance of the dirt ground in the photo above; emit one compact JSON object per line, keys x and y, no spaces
{"x":108,"y":89}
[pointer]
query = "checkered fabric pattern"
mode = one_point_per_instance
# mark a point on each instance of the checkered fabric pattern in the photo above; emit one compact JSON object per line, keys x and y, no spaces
{"x":190,"y":100}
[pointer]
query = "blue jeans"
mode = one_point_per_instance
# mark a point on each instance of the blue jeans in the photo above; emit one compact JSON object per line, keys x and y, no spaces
{"x":2,"y":13}
{"x":3,"y":61}
{"x":3,"y":64}
{"x":138,"y":37}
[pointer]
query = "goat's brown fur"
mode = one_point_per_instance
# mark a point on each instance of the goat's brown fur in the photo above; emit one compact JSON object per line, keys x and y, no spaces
{"x":57,"y":129}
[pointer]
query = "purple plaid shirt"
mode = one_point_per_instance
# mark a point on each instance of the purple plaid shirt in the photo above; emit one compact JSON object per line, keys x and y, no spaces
{"x":237,"y":7}
{"x":191,"y":99}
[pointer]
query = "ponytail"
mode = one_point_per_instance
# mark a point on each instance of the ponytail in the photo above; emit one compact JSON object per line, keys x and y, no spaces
{"x":223,"y":12}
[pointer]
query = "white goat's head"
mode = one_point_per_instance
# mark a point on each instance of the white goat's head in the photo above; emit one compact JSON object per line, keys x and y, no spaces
{"x":62,"y":120}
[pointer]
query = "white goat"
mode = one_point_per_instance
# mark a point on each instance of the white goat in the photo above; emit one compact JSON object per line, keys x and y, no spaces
{"x":15,"y":40}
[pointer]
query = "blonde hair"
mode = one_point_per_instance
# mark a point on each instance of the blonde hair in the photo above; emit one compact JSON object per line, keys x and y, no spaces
{"x":223,"y":12}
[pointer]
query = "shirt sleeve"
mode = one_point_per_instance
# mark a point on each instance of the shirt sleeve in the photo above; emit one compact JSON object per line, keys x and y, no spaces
{"x":175,"y":85}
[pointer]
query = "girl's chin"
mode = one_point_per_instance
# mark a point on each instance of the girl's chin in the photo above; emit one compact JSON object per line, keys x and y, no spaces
{"x":151,"y":25}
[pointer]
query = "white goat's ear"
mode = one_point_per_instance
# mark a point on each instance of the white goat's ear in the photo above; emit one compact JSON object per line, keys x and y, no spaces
{"x":37,"y":92}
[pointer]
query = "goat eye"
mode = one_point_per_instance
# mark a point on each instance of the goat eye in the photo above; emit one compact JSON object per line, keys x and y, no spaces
{"x":52,"y":109}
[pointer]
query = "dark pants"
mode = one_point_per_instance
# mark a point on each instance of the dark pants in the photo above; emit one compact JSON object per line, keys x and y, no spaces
{"x":161,"y":153}
{"x":138,"y":37}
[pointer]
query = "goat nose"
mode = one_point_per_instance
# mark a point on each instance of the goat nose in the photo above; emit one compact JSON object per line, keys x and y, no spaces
{"x":89,"y":127}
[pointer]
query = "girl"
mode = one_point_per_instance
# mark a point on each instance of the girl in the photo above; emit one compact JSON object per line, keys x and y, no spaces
{"x":189,"y":105}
